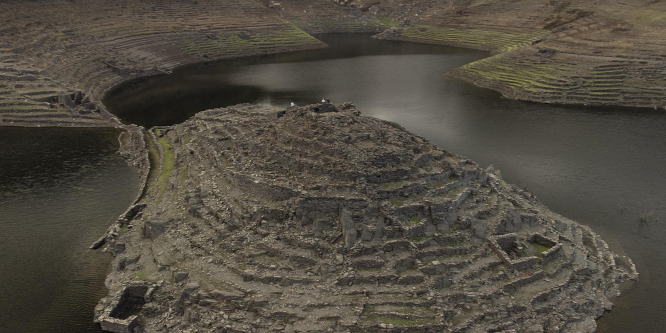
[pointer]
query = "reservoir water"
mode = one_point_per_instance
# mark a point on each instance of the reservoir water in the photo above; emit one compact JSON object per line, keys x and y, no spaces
{"x":599,"y":166}
{"x":60,"y":189}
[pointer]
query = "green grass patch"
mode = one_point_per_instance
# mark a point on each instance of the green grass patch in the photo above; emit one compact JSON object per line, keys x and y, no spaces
{"x":436,"y":185}
{"x":416,"y":310}
{"x":398,"y":320}
{"x":475,"y":38}
{"x":412,"y":221}
{"x":454,"y":193}
{"x":389,"y":21}
{"x":457,"y":320}
{"x":421,"y":238}
{"x":394,"y":185}
{"x":239,"y":42}
{"x":140,"y":276}
{"x":428,"y":261}
{"x":18,"y":107}
{"x":540,"y":249}
{"x":154,"y":158}
{"x":168,"y":161}
{"x":182,"y":175}
{"x":505,"y":73}
{"x":648,"y":16}
{"x":347,"y":24}
{"x":397,"y":202}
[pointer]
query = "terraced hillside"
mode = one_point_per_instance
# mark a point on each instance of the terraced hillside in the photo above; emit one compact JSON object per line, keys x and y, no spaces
{"x":588,"y":52}
{"x":29,"y":97}
{"x":67,"y":46}
{"x":316,"y":218}
{"x":585,"y":52}
{"x":326,"y":16}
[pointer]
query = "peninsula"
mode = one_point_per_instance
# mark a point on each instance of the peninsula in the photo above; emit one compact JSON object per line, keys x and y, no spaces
{"x":318,"y":218}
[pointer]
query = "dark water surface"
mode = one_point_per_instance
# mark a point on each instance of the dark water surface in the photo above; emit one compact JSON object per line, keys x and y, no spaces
{"x":603,"y":167}
{"x":60,"y":189}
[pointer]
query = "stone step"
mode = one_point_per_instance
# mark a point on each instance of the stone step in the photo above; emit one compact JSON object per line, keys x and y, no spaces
{"x":478,"y":268}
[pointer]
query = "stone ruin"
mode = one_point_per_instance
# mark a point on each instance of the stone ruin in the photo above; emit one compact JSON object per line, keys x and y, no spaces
{"x":120,"y":315}
{"x":317,"y":219}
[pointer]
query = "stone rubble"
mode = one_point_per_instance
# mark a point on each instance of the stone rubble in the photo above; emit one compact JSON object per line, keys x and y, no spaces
{"x":317,"y":219}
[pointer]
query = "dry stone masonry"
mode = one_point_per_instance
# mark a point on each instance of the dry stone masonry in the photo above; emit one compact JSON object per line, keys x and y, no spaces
{"x":318,"y":219}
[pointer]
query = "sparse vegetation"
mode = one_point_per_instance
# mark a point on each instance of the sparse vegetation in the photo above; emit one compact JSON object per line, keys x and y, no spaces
{"x":397,"y":202}
{"x":141,"y":275}
{"x":168,"y":161}
{"x":394,"y":185}
{"x":475,"y":38}
{"x":398,"y":320}
{"x":540,"y":249}
{"x":154,"y":157}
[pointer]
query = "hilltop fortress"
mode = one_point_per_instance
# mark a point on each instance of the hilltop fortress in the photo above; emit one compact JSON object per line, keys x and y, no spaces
{"x":319,"y":219}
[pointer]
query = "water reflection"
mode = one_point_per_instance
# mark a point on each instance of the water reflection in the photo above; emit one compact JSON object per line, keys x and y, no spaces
{"x":303,"y":77}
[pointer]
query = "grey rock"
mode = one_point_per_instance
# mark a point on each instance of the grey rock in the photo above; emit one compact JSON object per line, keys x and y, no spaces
{"x":180,"y":276}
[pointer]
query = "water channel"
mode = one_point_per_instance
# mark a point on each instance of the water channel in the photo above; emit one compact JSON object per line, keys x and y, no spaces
{"x":599,"y":166}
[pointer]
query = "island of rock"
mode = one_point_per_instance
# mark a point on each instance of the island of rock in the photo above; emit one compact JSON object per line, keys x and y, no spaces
{"x":318,"y":219}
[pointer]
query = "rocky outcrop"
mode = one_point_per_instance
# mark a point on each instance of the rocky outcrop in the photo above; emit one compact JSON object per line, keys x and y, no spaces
{"x":318,"y":219}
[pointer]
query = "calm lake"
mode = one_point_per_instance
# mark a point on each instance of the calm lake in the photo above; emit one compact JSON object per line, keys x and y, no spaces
{"x":599,"y":166}
{"x":60,"y":189}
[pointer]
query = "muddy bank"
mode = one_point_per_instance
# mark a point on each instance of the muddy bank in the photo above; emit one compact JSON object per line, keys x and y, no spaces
{"x":317,"y":218}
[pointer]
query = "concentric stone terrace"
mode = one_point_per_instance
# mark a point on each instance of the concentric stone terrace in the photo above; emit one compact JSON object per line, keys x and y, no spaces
{"x":318,"y":219}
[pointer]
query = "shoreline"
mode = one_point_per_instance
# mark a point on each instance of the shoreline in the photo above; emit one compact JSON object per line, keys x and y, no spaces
{"x":34,"y":84}
{"x":77,"y":55}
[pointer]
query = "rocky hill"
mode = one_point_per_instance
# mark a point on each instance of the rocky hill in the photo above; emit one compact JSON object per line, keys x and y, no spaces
{"x":317,"y":219}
